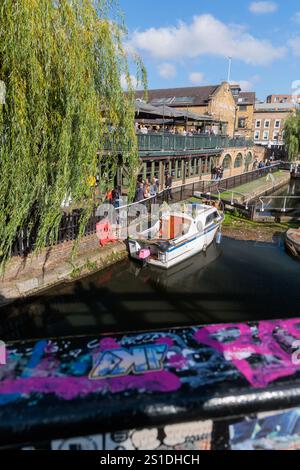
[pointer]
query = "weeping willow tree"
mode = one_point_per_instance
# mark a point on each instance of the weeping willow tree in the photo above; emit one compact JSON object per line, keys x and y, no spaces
{"x":60,"y":64}
{"x":292,"y":135}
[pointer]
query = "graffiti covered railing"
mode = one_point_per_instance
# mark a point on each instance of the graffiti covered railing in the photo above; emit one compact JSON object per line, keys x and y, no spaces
{"x":190,"y":383}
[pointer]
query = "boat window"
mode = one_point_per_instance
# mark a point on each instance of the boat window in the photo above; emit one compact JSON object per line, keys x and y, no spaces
{"x":211,"y":217}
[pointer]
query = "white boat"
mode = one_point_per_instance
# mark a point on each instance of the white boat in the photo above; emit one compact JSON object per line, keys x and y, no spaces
{"x":177,"y":236}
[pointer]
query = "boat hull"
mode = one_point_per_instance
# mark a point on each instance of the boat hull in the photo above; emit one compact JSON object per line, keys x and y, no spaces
{"x":189,"y":249}
{"x":292,"y":242}
{"x":178,"y":254}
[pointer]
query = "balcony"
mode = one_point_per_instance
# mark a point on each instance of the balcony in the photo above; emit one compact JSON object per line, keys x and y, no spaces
{"x":160,"y":143}
{"x":169,"y":142}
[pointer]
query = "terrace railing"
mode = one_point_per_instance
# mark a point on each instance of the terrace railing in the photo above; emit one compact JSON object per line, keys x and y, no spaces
{"x":165,"y":142}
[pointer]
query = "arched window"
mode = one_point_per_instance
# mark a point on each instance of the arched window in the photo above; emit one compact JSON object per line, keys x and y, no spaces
{"x":227,"y":162}
{"x":238,"y":161}
{"x":248,"y":161}
{"x":248,"y":158}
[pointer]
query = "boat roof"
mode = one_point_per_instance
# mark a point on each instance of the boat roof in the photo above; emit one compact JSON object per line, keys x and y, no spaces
{"x":201,"y":209}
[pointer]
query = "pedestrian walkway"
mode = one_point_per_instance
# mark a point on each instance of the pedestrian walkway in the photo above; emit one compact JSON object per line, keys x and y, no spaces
{"x":255,"y":188}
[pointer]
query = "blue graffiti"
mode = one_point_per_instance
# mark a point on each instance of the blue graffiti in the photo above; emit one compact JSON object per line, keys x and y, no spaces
{"x":122,"y":362}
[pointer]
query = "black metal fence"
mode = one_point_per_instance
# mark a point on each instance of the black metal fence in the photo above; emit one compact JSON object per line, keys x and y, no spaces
{"x":70,"y":223}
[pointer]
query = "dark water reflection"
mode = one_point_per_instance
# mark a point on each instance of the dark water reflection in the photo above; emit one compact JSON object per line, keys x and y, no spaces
{"x":235,"y":282}
{"x":292,"y":190}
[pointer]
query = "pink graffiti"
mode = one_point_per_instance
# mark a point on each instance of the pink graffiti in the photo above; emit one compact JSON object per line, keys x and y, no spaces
{"x":108,"y":344}
{"x":272,"y":362}
{"x":178,"y":361}
{"x":165,"y":340}
{"x":69,"y":388}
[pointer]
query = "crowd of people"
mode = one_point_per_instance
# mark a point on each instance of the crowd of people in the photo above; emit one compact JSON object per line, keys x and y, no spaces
{"x":217,"y":173}
{"x":114,"y":197}
{"x":146,"y":188}
{"x":142,"y":129}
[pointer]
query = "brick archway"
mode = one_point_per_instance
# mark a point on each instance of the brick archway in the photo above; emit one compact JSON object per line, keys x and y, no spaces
{"x":239,"y":160}
{"x":227,"y":162}
{"x":248,"y":160}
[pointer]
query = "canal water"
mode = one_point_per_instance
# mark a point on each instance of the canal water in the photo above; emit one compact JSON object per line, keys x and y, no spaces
{"x":292,"y":190}
{"x":236,"y":281}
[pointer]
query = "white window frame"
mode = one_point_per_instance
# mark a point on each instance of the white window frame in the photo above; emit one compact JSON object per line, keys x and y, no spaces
{"x":256,"y":123}
{"x":277,"y":127}
{"x":266,"y":135}
{"x":265,"y":126}
{"x":276,"y":134}
{"x":256,"y":135}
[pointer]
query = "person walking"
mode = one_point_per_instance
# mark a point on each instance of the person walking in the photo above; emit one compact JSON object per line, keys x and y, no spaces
{"x":169,"y":183}
{"x":213,"y":173}
{"x":147,"y":189}
{"x":153,"y":188}
{"x":139,"y":194}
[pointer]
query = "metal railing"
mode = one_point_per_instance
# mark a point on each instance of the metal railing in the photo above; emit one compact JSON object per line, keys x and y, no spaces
{"x":158,"y":142}
{"x":69,"y":226}
{"x":284,"y":204}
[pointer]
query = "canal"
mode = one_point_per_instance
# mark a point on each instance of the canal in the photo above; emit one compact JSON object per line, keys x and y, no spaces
{"x":236,"y":281}
{"x":291,"y":191}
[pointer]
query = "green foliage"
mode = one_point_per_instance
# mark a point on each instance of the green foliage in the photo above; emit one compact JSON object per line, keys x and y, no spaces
{"x":61,"y":63}
{"x":292,"y":136}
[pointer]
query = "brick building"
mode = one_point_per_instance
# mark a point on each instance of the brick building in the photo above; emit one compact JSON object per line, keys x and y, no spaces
{"x":245,"y":104}
{"x":283,"y":99}
{"x":269,"y":121}
{"x":215,"y":101}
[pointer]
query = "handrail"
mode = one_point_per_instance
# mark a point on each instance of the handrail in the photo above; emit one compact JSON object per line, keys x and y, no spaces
{"x":158,"y":142}
{"x":282,"y":208}
{"x":70,"y":223}
{"x":230,"y":382}
{"x":211,"y":181}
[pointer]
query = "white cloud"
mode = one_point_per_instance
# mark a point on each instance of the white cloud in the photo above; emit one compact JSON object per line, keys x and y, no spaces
{"x":133,"y":81}
{"x":295,"y":45}
{"x":205,"y":35}
{"x":167,"y":71}
{"x":196,"y":78}
{"x":261,"y":8}
{"x":296,"y":17}
{"x":246,"y":85}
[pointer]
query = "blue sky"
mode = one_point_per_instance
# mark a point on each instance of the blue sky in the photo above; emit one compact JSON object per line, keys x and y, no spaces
{"x":185,"y":43}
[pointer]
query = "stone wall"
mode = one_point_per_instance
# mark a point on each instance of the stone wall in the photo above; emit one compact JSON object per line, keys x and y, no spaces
{"x":222,"y":107}
{"x":246,"y":114}
{"x":36,"y":272}
{"x":237,"y":160}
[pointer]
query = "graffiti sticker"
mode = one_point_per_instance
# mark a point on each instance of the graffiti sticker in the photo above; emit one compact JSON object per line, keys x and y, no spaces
{"x":122,"y":362}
